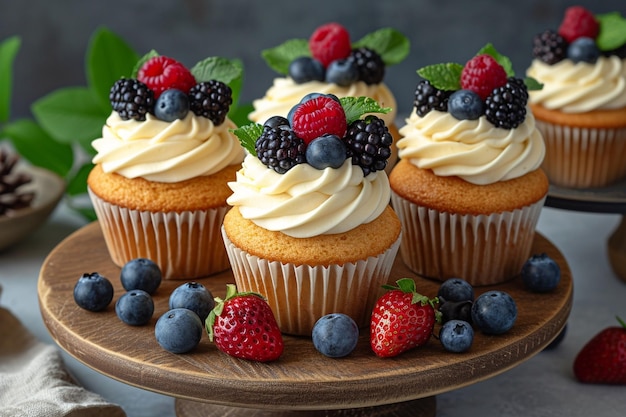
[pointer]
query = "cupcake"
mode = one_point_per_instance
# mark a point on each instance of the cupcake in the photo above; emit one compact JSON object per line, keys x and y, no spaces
{"x":311,"y":227}
{"x":468,"y":188}
{"x":330,"y":63}
{"x":581,"y":109}
{"x":167,"y":152}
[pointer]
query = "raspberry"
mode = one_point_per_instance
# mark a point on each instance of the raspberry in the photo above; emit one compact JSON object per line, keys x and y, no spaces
{"x":211,"y":99}
{"x":131,"y":99}
{"x":506,"y":106}
{"x":330,"y":42}
{"x":280,"y":149}
{"x":578,"y":22}
{"x":318,"y":116}
{"x":482,"y":74}
{"x":428,"y":98}
{"x":369,"y":64}
{"x":161,"y":73}
{"x":368,"y":143}
{"x":549,"y":47}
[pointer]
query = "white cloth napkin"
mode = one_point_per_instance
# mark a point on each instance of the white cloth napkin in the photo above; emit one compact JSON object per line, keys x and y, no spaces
{"x":34,"y":381}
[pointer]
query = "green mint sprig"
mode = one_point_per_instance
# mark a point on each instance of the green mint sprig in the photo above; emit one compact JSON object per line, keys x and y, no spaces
{"x":247,"y":135}
{"x":356,"y":107}
{"x":612,"y":32}
{"x":392,"y":46}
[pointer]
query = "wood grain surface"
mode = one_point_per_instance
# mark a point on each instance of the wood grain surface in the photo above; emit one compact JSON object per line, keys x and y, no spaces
{"x":302,"y":379}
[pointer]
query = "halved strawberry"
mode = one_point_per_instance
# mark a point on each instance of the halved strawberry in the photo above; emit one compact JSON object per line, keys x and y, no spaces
{"x":161,"y":73}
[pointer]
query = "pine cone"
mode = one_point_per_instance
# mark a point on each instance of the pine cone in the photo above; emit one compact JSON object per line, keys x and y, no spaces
{"x":10,"y":196}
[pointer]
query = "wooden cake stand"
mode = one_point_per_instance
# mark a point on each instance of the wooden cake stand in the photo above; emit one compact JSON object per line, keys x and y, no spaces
{"x":302,"y":382}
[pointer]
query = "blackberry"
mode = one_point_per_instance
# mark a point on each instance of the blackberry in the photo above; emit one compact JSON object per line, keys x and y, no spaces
{"x":131,"y":99}
{"x":280,"y":149}
{"x":211,"y":99}
{"x":368,"y":143}
{"x":549,"y":47}
{"x":428,"y":98}
{"x":369,"y":64}
{"x":506,"y":106}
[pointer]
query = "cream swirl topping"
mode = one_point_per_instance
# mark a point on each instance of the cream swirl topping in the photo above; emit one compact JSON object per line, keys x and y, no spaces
{"x":580,"y":87}
{"x":285,"y":93}
{"x":305,"y":201}
{"x":166,"y":151}
{"x":474,"y":150}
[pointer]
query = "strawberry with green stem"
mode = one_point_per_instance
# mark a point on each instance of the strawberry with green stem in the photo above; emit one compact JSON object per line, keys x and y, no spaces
{"x":603,"y":359}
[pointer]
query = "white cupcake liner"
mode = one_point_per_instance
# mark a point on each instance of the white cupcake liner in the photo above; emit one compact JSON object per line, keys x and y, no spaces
{"x":583,"y":157}
{"x":482,"y":249}
{"x":300,"y":294}
{"x":185,"y":245}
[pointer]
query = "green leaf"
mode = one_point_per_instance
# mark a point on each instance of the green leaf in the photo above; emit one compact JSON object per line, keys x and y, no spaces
{"x":532,"y":84}
{"x":70,"y":115}
{"x":355,"y":107}
{"x":392,"y":46}
{"x":612,"y":33}
{"x":77,"y":185}
{"x":220,"y":69}
{"x":36,"y":146}
{"x":248,"y":134}
{"x":279,"y":57}
{"x":443,"y":76}
{"x":8,"y":50}
{"x":489,"y":49}
{"x":108,"y":59}
{"x":142,"y":61}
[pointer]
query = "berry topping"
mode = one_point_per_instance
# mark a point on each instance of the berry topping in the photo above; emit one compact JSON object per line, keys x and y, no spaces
{"x":161,"y":73}
{"x":369,"y":144}
{"x":171,"y":105}
{"x":369,"y":64}
{"x":578,"y":22}
{"x":428,"y":98}
{"x":583,"y":49}
{"x":305,"y":69}
{"x":326,"y":151}
{"x":280,"y":149}
{"x":211,"y":99}
{"x":549,"y":47}
{"x":482,"y":74}
{"x":318,"y":116}
{"x":131,"y":99}
{"x":342,"y":72}
{"x":466,"y":105}
{"x":506,"y":106}
{"x":276,"y":121}
{"x":330,"y":42}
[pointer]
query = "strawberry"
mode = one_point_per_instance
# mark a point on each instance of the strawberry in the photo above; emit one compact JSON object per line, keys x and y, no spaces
{"x":578,"y":22}
{"x":402,"y":319}
{"x":482,"y":74}
{"x":319,"y":116}
{"x":330,"y":42}
{"x":603,"y":359}
{"x":243,"y":325}
{"x":161,"y":73}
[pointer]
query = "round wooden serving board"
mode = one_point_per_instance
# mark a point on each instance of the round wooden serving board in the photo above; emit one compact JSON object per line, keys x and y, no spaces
{"x":302,"y":382}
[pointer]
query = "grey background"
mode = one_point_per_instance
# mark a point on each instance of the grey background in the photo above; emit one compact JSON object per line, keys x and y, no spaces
{"x":55,"y":33}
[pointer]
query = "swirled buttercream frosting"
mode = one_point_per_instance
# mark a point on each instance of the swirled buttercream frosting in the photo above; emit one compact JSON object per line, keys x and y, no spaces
{"x":285,"y":93}
{"x":305,"y":201}
{"x":580,"y":87}
{"x":166,"y":151}
{"x":474,"y":150}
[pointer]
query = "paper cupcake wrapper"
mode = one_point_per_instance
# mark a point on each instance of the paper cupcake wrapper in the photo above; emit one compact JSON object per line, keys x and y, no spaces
{"x":482,"y":249}
{"x":185,"y":245}
{"x":582,"y":157}
{"x":299,"y":294}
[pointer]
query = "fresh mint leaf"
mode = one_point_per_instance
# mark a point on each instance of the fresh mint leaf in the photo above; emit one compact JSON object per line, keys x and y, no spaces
{"x":248,"y":134}
{"x":36,"y":146}
{"x":8,"y":51}
{"x":392,"y":46}
{"x":355,"y":107}
{"x":443,"y":76}
{"x":220,"y":69}
{"x":108,"y":59}
{"x":532,"y":84}
{"x":612,"y":33}
{"x":279,"y":57}
{"x":142,"y":61}
{"x":503,"y":60}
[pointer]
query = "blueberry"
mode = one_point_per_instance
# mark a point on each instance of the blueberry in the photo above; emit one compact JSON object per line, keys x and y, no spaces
{"x":172,"y":104}
{"x":456,"y":336}
{"x":335,"y":335}
{"x":311,"y":96}
{"x":290,"y":114}
{"x":342,"y":72}
{"x":465,"y":105}
{"x":193,"y":296}
{"x":326,"y":151}
{"x":456,"y":310}
{"x":455,"y":289}
{"x":583,"y":49}
{"x":141,"y":274}
{"x":494,"y":312}
{"x":135,"y":307}
{"x":305,"y":69}
{"x":541,"y":273}
{"x":179,"y":330}
{"x":276,"y":121}
{"x":93,"y":292}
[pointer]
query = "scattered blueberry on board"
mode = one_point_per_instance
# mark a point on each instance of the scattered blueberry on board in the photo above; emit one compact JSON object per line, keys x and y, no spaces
{"x":494,"y":312}
{"x":141,"y":274}
{"x":335,"y":335}
{"x":541,"y":273}
{"x":456,"y":336}
{"x":193,"y":296}
{"x":455,"y":289}
{"x":93,"y":292}
{"x":135,"y":307}
{"x":179,"y":330}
